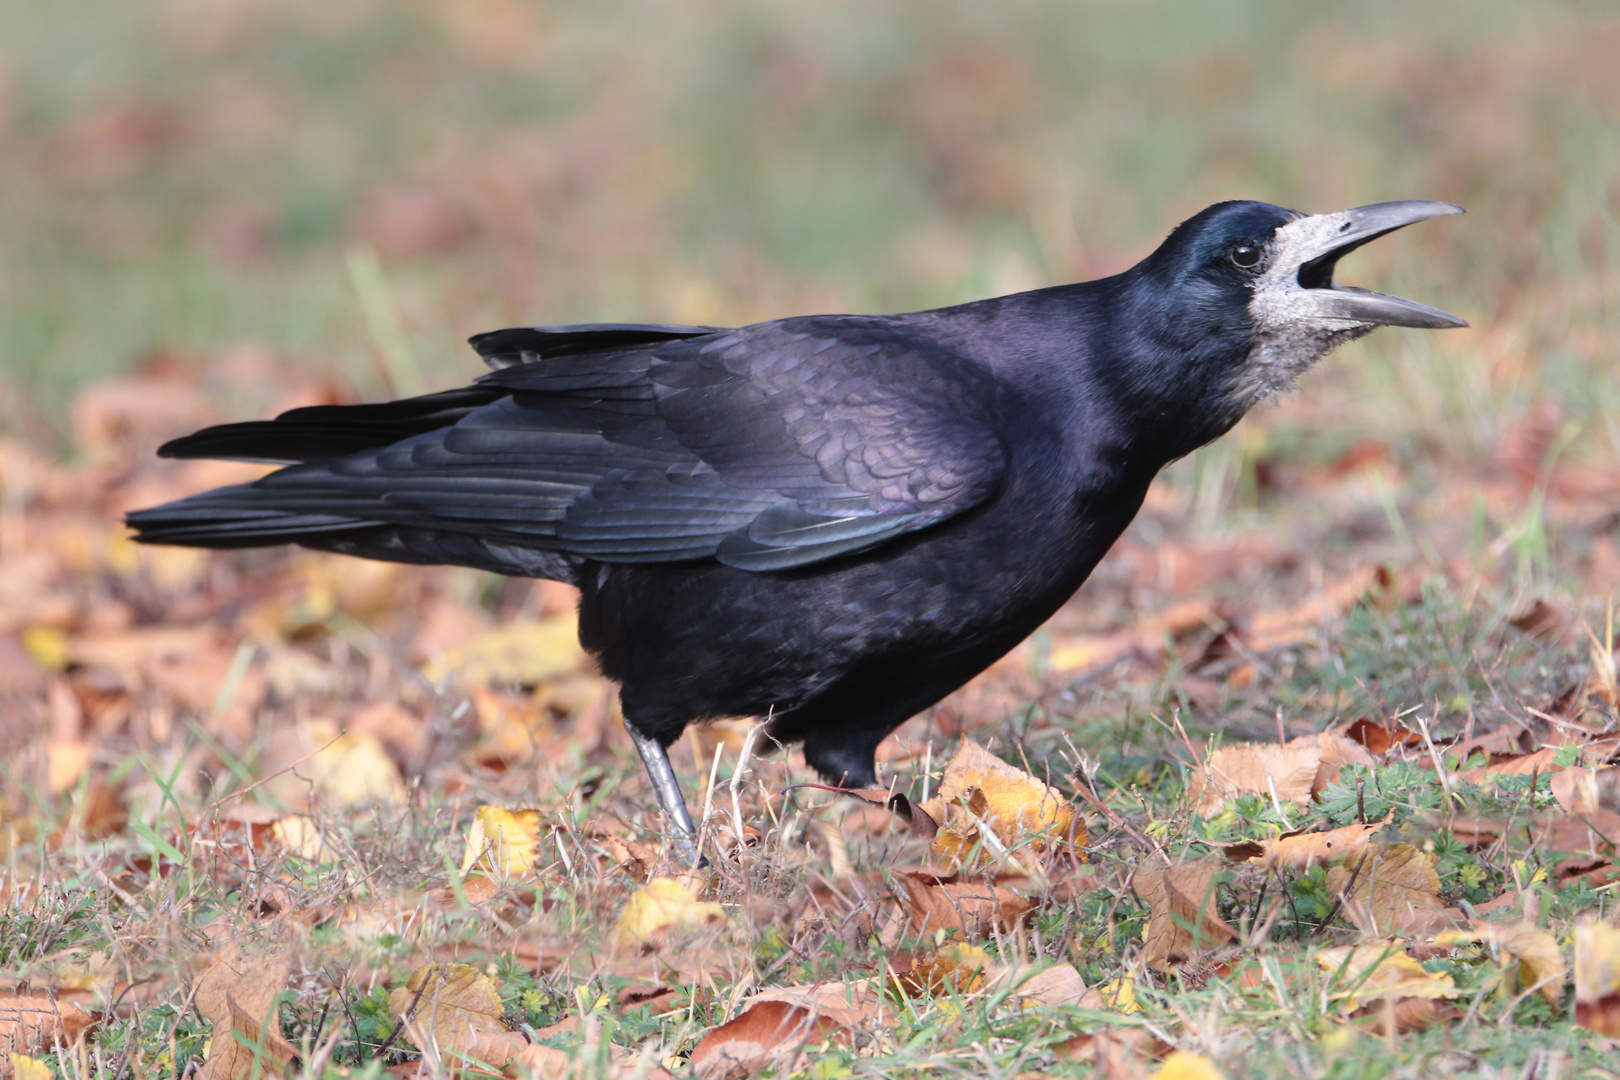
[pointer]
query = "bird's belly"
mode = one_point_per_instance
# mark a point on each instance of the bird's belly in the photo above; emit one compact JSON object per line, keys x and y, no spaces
{"x":929,"y":611}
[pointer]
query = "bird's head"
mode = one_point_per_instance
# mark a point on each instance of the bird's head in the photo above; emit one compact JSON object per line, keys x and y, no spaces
{"x":1252,"y":290}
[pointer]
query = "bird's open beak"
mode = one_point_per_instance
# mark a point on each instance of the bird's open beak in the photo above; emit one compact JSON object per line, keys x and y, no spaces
{"x":1316,"y":243}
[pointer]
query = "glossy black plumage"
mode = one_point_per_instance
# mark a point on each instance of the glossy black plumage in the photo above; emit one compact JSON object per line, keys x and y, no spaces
{"x":832,"y":520}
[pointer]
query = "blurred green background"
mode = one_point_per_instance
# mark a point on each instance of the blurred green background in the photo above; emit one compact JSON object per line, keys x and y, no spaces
{"x":181,"y":177}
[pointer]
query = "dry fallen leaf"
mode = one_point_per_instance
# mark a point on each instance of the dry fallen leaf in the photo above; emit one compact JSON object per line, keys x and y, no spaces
{"x":1530,"y":957}
{"x":1183,"y":921}
{"x":973,"y":908}
{"x":24,"y":1067}
{"x":955,"y":968}
{"x":1023,"y":814}
{"x":1288,"y":770}
{"x":1303,"y":622}
{"x":1149,"y":638}
{"x":1597,"y":977}
{"x":29,"y":1024}
{"x":316,"y":761}
{"x":1059,"y":984}
{"x":853,"y":1004}
{"x":1390,"y":888}
{"x":503,"y":842}
{"x":1117,"y":1054}
{"x":1115,"y":995}
{"x":237,"y":994}
{"x":765,"y":1034}
{"x":1301,"y":851}
{"x":522,"y":653}
{"x":454,"y":1011}
{"x":1183,"y":1066}
{"x":1380,"y":738}
{"x":661,"y":906}
{"x":1366,"y":973}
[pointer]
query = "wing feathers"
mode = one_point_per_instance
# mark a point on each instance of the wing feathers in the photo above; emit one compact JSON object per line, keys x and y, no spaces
{"x":768,"y":448}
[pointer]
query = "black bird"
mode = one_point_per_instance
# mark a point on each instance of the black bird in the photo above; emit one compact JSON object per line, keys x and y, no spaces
{"x":831,"y":520}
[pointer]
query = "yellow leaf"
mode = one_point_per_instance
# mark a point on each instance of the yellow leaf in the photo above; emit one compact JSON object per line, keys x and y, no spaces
{"x":454,"y":1010}
{"x":506,"y":841}
{"x":661,"y":905}
{"x":65,"y":762}
{"x":345,"y":768}
{"x":299,"y":834}
{"x":1389,"y":888}
{"x":1597,"y":977}
{"x":1375,"y":972}
{"x":1304,"y":850}
{"x":1022,"y":813}
{"x":1183,"y":1066}
{"x":1118,"y":995}
{"x":1529,"y":955}
{"x":24,"y":1067}
{"x":525,"y":652}
{"x":47,"y":646}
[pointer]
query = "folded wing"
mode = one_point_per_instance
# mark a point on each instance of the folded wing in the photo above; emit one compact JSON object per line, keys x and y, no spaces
{"x":768,"y":448}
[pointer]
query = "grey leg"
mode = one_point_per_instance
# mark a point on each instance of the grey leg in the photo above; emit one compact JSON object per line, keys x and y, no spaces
{"x":662,"y":777}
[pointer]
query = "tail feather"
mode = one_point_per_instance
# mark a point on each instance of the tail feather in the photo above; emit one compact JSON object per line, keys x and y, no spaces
{"x":234,"y":516}
{"x":329,"y":432}
{"x":239,"y":517}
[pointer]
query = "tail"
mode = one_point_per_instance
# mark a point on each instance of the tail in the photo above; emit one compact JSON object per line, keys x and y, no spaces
{"x":285,"y":509}
{"x":244,"y":516}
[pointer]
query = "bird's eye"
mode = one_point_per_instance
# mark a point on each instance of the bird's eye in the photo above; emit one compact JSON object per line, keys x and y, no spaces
{"x":1244,"y":255}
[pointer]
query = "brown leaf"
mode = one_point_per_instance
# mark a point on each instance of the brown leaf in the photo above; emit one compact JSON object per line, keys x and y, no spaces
{"x":914,"y":816}
{"x":1337,"y":752}
{"x":1149,"y":638}
{"x":1391,"y":888}
{"x":956,"y":968}
{"x":33,"y":1024}
{"x":1587,"y":841}
{"x":973,"y":908}
{"x":1059,"y":984}
{"x":768,"y":1033}
{"x":1543,"y":621}
{"x":1597,"y":977}
{"x":454,"y":1010}
{"x":1304,"y":622}
{"x":237,"y":995}
{"x":1400,"y":1015}
{"x":636,"y":859}
{"x":1289,"y":769}
{"x":1381,"y":738}
{"x":1119,"y":1054}
{"x":1183,"y":921}
{"x":853,"y":1004}
{"x":1301,"y":851}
